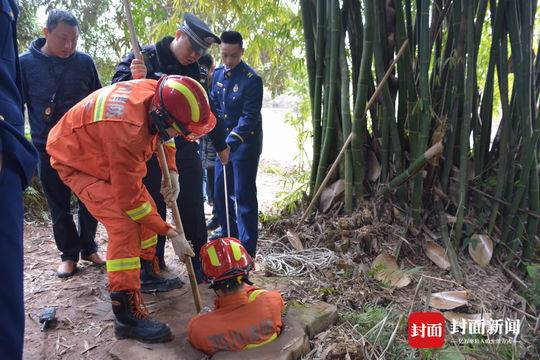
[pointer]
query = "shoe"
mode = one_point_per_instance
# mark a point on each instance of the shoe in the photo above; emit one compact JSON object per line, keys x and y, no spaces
{"x":213,"y":223}
{"x":216,"y":234}
{"x":132,"y":320}
{"x":66,"y":269}
{"x":153,"y":281}
{"x":94,"y":259}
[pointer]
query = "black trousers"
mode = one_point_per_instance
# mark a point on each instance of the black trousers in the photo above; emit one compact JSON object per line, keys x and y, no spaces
{"x":70,"y":239}
{"x":210,"y":172}
{"x":190,"y":200}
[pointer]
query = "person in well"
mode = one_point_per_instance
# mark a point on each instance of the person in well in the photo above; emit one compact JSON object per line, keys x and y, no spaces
{"x":245,"y":316}
{"x":100,"y":149}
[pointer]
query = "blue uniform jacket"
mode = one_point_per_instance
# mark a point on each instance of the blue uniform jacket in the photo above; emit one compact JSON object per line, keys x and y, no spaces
{"x":13,"y":145}
{"x":10,"y":91}
{"x":236,"y":100}
{"x":40,"y":76}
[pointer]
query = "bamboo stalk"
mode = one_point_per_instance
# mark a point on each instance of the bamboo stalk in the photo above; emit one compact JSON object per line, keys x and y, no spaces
{"x":359,"y":124}
{"x":415,"y":167}
{"x":349,"y":139}
{"x":330,"y":118}
{"x":317,"y":100}
{"x":346,"y":125}
{"x":424,"y":104}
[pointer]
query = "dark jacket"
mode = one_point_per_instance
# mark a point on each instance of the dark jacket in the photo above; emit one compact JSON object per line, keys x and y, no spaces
{"x":159,"y":61}
{"x":10,"y":86}
{"x":236,"y":100}
{"x":72,"y":79}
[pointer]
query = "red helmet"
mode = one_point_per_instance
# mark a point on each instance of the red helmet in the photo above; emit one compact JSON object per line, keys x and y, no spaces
{"x":224,"y":259}
{"x":181,"y":102}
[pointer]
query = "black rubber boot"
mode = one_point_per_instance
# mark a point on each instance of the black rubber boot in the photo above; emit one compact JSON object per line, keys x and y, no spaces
{"x":132,"y":320}
{"x":152,"y":281}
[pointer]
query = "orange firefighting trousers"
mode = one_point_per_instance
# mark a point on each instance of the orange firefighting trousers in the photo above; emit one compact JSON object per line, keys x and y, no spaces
{"x":100,"y":148}
{"x":243,"y":320}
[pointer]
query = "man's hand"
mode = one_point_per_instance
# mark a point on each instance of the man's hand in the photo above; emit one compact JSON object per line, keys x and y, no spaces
{"x":224,"y":155}
{"x":180,"y":245}
{"x":138,"y":69}
{"x":170,"y":193}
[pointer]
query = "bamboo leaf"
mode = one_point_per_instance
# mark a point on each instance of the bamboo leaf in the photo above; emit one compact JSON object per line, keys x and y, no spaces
{"x":448,"y":300}
{"x":330,"y":194}
{"x":374,"y":167}
{"x":481,"y":249}
{"x":437,"y":254}
{"x":386,"y":270}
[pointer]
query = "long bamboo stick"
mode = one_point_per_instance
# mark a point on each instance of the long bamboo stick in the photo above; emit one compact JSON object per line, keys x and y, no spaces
{"x":349,"y":138}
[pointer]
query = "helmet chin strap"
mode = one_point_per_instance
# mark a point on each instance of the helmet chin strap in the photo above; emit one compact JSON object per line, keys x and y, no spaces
{"x":160,"y":124}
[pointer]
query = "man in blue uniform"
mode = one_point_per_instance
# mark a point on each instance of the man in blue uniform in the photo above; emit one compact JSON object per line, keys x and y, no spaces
{"x":236,"y":99}
{"x":177,"y":55}
{"x":18,"y":160}
{"x":55,"y":77}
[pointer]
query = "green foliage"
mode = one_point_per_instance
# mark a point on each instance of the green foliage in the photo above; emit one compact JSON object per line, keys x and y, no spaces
{"x":533,"y":293}
{"x":272,"y":32}
{"x":34,"y":201}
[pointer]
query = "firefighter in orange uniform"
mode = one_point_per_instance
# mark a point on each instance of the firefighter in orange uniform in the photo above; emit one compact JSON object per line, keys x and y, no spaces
{"x":100,"y":149}
{"x":245,"y":316}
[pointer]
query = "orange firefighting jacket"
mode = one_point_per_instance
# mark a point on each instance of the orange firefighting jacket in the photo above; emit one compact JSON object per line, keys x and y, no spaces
{"x":107,"y":137}
{"x":243,"y":320}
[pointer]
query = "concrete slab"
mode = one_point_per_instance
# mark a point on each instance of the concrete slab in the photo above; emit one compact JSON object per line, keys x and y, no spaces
{"x":177,"y":308}
{"x":292,"y":344}
{"x":315,"y":317}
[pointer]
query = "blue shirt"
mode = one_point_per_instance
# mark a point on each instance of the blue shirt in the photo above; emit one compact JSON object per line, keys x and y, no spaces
{"x":42,"y":75}
{"x":236,"y":100}
{"x":10,"y":86}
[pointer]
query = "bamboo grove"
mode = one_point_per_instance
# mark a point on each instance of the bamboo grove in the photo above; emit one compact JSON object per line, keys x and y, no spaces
{"x":433,"y":127}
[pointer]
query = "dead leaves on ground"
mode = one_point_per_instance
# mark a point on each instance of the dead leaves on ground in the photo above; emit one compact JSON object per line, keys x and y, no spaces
{"x":481,"y":249}
{"x":448,"y":300}
{"x":437,"y":254}
{"x":385,"y":269}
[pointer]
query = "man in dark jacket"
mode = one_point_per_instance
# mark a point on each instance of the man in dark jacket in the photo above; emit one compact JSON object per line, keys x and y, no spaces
{"x":178,"y":55}
{"x":55,"y":77}
{"x":18,"y":160}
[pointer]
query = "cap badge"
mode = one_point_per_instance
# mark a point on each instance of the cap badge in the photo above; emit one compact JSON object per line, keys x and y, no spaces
{"x":235,"y":88}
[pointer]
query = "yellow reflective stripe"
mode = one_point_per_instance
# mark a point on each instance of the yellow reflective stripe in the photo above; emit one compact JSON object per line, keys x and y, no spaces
{"x":145,"y":244}
{"x":253,"y":295}
{"x":133,"y":263}
{"x":192,"y":101}
{"x":140,"y":212}
{"x":175,"y":127}
{"x":214,"y":260}
{"x":272,"y":338}
{"x":237,"y":252}
{"x":99,"y":108}
{"x":170,"y":143}
{"x":238,"y":136}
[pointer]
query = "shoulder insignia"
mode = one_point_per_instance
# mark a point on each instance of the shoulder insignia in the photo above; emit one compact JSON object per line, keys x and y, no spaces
{"x":250,"y":74}
{"x":219,"y":84}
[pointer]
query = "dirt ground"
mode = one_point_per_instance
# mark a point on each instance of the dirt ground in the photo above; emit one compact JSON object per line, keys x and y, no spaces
{"x":85,"y":326}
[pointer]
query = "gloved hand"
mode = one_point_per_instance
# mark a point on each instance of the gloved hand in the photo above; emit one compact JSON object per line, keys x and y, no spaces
{"x":224,"y":155}
{"x":138,"y":69}
{"x":180,"y":245}
{"x":170,"y":193}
